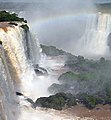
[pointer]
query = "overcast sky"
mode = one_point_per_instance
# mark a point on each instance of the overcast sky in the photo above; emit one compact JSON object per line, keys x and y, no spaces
{"x":102,"y":1}
{"x":18,"y":0}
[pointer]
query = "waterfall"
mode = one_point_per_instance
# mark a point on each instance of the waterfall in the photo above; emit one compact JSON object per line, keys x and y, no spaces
{"x":94,"y":41}
{"x":7,"y":95}
{"x":16,"y":68}
{"x":21,"y":69}
{"x":17,"y":56}
{"x":14,"y":47}
{"x":33,"y":48}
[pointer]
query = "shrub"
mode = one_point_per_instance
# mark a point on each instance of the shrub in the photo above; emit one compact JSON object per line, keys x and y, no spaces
{"x":68,"y":77}
{"x":6,"y":16}
{"x":25,"y":27}
{"x":51,"y":50}
{"x":57,"y":101}
{"x":71,"y":76}
{"x":89,"y":101}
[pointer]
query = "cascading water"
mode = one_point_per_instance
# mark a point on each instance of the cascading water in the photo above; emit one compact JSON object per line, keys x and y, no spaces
{"x":94,"y":41}
{"x":23,"y":51}
{"x":23,"y":74}
{"x":32,"y":46}
{"x":8,"y":108}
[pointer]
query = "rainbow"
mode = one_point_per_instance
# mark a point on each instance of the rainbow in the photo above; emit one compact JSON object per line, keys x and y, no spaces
{"x":45,"y":21}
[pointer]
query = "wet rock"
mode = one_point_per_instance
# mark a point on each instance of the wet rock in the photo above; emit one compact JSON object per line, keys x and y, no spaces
{"x":58,"y":88}
{"x":26,"y":99}
{"x":19,"y":94}
{"x":97,"y":108}
{"x":31,"y":102}
{"x":12,"y":23}
{"x":57,"y":101}
{"x":0,"y":42}
{"x":40,"y":70}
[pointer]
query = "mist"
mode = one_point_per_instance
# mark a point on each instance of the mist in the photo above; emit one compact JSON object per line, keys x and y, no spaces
{"x":61,"y":24}
{"x":57,"y":23}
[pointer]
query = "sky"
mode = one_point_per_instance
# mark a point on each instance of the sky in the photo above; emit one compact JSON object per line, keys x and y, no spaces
{"x":44,"y":0}
{"x":18,"y":0}
{"x":101,"y":1}
{"x":104,"y":1}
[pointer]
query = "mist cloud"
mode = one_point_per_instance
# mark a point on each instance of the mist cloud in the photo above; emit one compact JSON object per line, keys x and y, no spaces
{"x":59,"y":23}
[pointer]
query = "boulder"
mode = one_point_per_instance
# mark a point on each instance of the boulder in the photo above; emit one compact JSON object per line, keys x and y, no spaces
{"x":57,"y":101}
{"x":40,"y":70}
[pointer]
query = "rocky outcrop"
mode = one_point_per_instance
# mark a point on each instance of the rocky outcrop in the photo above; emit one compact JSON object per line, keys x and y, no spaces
{"x":27,"y":99}
{"x":40,"y":70}
{"x":52,"y":50}
{"x":57,"y":101}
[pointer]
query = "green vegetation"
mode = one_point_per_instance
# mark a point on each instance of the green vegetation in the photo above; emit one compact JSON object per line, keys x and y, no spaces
{"x":57,"y":101}
{"x":104,"y":7}
{"x":76,"y":63}
{"x":90,"y":101}
{"x":71,"y":76}
{"x":80,"y":64}
{"x":51,"y":50}
{"x":62,"y":100}
{"x":58,"y":88}
{"x":108,"y":93}
{"x":88,"y":79}
{"x":25,"y":27}
{"x":68,"y":76}
{"x":6,"y":16}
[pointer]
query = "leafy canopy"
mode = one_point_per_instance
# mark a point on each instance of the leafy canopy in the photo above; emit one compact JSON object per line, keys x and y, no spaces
{"x":6,"y":16}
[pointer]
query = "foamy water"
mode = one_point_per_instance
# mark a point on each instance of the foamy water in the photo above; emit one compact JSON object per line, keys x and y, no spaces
{"x":26,"y":80}
{"x":94,"y":42}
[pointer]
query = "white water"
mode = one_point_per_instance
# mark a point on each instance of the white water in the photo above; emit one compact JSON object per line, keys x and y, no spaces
{"x":41,"y":86}
{"x":27,"y":82}
{"x":33,"y":49}
{"x":24,"y":77}
{"x":7,"y":95}
{"x":94,"y":41}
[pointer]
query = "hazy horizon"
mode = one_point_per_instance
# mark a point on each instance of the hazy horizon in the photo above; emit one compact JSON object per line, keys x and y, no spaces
{"x":98,"y":1}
